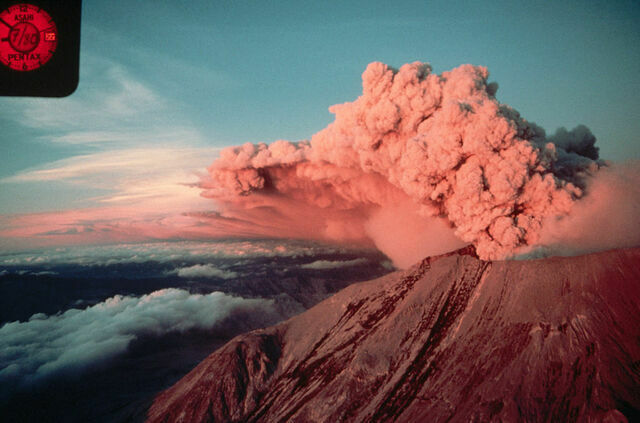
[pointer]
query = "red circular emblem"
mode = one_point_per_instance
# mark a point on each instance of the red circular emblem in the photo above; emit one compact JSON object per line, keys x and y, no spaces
{"x":28,"y":37}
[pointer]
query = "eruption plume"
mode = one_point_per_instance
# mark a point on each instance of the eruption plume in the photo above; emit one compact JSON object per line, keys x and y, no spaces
{"x":419,"y":164}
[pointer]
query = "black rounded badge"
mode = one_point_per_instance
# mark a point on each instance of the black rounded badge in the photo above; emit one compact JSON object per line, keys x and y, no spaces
{"x":39,"y":47}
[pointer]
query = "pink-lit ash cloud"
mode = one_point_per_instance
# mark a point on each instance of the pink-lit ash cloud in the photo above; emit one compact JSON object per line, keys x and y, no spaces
{"x":423,"y":163}
{"x":419,"y":164}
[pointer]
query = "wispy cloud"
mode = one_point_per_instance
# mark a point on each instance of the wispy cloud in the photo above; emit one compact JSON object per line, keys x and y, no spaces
{"x":140,"y":173}
{"x":112,"y":96}
{"x":118,"y":138}
{"x":133,"y":175}
{"x":121,"y":163}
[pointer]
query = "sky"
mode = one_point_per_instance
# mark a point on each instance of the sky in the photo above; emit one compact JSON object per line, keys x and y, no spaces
{"x":165,"y":85}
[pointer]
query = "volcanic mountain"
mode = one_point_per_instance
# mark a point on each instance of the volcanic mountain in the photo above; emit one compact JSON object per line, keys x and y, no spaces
{"x":454,"y":338}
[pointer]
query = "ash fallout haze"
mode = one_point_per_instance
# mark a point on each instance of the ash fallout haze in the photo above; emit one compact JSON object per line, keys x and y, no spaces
{"x":226,"y":165}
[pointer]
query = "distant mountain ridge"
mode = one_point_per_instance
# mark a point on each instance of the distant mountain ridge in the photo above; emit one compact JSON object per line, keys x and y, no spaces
{"x":454,"y":338}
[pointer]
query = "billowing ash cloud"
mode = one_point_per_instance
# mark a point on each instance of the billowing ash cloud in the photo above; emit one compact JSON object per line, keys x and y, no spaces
{"x":71,"y":341}
{"x":419,"y":164}
{"x":607,"y":217}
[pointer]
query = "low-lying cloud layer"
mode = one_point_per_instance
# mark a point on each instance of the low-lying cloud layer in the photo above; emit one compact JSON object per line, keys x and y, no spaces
{"x":169,"y":251}
{"x":204,"y":271}
{"x":332,"y":264}
{"x":420,"y":164}
{"x":76,"y":339}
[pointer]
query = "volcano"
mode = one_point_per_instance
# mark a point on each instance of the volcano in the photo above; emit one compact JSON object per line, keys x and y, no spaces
{"x":453,"y":338}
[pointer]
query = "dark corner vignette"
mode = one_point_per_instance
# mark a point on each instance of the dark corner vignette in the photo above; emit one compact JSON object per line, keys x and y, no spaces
{"x":39,"y":47}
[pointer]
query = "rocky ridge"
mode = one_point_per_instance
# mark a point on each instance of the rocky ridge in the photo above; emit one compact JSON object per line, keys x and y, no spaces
{"x":454,"y":338}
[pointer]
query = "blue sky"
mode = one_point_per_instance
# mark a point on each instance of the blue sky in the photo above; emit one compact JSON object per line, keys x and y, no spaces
{"x":164,"y":85}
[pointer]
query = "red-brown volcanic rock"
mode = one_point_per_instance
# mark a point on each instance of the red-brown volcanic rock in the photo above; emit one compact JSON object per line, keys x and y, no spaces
{"x":452,"y":339}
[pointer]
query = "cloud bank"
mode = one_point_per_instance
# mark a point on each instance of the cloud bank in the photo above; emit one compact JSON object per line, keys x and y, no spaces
{"x":419,"y":164}
{"x":165,"y":252}
{"x":332,"y":264}
{"x":76,"y":339}
{"x":204,"y":271}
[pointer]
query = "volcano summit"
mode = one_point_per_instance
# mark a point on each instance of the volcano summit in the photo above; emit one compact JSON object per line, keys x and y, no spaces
{"x":453,"y":338}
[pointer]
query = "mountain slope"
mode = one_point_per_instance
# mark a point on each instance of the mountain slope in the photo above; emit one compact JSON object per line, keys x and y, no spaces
{"x":452,"y":339}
